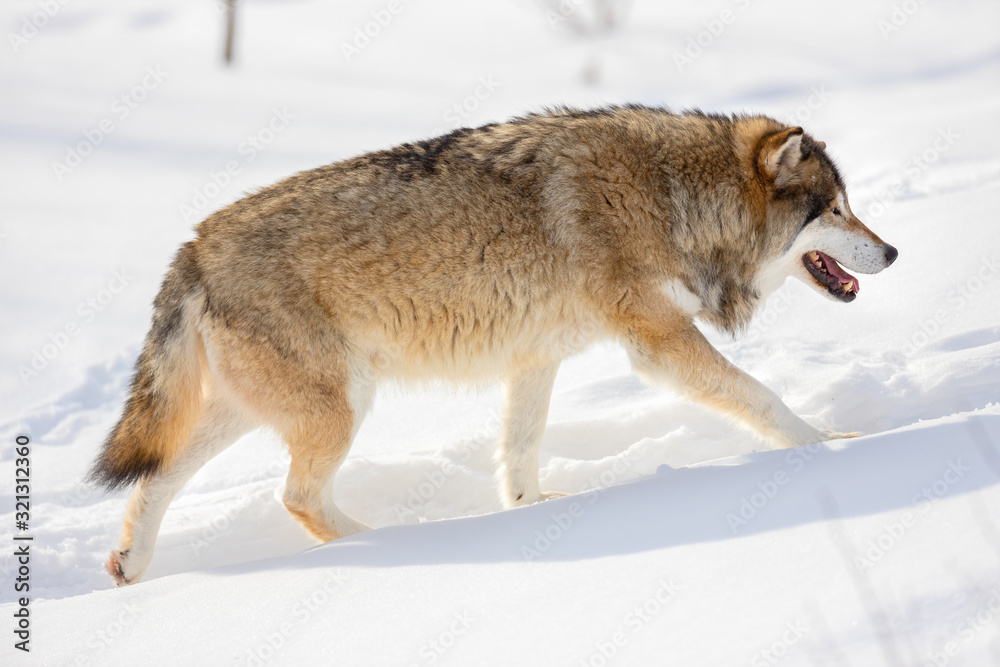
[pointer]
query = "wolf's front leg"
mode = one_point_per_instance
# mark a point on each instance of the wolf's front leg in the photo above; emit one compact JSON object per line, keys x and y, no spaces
{"x":525,"y":408}
{"x":666,"y":347}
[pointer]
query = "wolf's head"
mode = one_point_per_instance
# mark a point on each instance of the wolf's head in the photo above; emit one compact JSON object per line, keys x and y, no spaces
{"x":809,"y":215}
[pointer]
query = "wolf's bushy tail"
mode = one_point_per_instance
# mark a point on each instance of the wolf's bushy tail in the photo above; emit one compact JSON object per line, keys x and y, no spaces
{"x":165,"y":395}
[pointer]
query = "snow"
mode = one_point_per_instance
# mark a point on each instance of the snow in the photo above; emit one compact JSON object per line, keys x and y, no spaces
{"x":687,"y":542}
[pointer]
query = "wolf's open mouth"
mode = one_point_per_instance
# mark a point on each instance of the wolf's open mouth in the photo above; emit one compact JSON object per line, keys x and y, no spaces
{"x":825,"y":270}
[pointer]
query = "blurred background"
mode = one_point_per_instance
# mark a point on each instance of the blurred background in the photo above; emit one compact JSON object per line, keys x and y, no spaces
{"x":122,"y":124}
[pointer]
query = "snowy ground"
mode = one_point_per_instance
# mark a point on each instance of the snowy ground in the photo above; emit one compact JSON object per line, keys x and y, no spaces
{"x":689,"y":543}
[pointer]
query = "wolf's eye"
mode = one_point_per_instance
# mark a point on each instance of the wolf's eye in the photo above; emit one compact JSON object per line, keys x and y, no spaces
{"x":836,"y":211}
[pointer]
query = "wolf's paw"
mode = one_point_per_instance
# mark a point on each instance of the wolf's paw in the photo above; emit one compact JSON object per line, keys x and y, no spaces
{"x":833,"y":435}
{"x":525,"y":499}
{"x":117,"y":566}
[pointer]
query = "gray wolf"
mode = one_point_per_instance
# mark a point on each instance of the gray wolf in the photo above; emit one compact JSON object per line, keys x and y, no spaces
{"x":493,"y":252}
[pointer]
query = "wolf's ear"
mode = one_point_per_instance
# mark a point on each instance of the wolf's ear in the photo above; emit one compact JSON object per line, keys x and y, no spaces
{"x":781,"y":154}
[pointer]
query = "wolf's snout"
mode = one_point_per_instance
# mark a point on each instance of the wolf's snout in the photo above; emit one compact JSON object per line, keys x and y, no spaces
{"x":890,"y":254}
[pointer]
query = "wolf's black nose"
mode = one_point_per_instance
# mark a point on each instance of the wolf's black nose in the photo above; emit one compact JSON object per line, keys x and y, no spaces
{"x":891,"y":254}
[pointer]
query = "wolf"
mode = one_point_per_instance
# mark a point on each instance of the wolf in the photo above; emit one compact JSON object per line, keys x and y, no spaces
{"x":486,"y":253}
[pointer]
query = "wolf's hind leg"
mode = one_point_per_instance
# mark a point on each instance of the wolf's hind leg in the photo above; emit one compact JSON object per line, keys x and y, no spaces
{"x":525,"y":408}
{"x":221,"y":424}
{"x":318,"y":444}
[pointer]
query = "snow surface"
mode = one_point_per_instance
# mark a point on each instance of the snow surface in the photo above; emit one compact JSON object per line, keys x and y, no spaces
{"x":883,"y":550}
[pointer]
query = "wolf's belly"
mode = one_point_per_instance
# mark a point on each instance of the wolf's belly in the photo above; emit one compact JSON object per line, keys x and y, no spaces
{"x":481,"y":350}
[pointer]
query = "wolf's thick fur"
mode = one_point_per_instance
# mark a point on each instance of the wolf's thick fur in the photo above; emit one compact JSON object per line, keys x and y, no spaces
{"x":489,"y":252}
{"x":165,"y":395}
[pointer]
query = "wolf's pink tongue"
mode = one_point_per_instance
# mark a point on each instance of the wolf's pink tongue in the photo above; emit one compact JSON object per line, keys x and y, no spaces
{"x":834,"y":270}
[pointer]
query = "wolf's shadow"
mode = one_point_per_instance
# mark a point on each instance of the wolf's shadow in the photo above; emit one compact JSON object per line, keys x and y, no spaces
{"x":902,"y":471}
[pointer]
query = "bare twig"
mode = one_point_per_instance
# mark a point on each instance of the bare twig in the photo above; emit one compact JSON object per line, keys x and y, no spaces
{"x":230,"y":28}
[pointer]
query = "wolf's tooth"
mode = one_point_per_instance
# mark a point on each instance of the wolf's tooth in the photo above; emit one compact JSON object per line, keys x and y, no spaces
{"x":813,"y":256}
{"x":849,"y":287}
